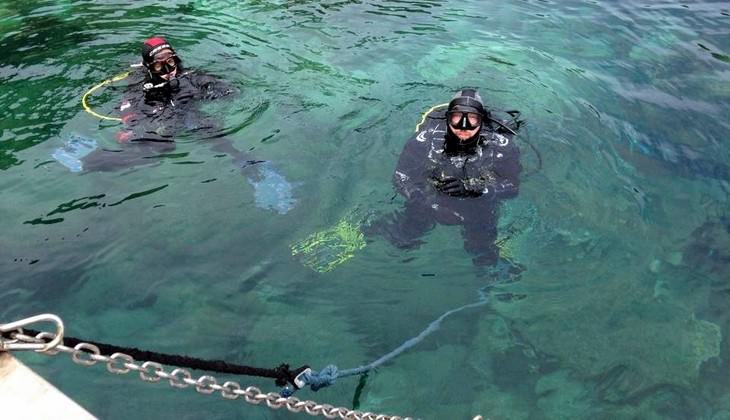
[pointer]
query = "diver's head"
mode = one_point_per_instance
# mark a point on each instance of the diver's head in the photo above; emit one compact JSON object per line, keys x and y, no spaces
{"x":160,"y":59}
{"x":465,"y":114}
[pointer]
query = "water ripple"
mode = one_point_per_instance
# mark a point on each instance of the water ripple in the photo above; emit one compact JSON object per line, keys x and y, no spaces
{"x":626,"y":104}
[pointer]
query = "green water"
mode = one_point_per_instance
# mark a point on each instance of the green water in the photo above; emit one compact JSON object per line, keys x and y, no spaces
{"x":624,"y":229}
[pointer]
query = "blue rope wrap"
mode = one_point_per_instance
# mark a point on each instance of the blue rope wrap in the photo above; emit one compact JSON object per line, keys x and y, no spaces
{"x":315,"y":380}
{"x":321,"y":379}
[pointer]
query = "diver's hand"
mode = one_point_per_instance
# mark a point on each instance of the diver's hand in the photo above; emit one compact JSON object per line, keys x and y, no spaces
{"x":456,"y":187}
{"x":452,"y":186}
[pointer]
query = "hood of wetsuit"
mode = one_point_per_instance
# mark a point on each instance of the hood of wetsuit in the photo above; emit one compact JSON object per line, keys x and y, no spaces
{"x":467,"y":100}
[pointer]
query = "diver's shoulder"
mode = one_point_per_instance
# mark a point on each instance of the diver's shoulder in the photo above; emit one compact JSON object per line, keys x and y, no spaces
{"x":200,"y":76}
{"x":430,"y":130}
{"x":437,"y":114}
{"x":499,"y":139}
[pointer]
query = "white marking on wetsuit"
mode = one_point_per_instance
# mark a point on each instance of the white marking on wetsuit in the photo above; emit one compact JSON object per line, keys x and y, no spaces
{"x":432,"y":151}
{"x":125,"y":105}
{"x":458,"y":161}
{"x":437,"y":129}
{"x":421,"y":137}
{"x":500,"y":139}
{"x":403,"y":177}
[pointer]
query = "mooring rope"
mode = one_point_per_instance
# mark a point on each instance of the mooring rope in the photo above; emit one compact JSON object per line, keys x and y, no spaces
{"x":327,"y":376}
{"x":86,"y":354}
{"x":14,"y":337}
{"x":282,"y":374}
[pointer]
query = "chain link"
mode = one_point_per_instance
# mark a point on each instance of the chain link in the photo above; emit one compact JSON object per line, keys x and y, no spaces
{"x":86,"y":354}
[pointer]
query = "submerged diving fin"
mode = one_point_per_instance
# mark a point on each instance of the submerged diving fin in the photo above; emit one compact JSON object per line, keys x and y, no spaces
{"x":271,"y":190}
{"x":325,"y":250}
{"x":73,"y":151}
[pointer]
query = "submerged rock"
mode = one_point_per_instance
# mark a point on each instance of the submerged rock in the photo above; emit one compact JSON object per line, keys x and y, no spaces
{"x":709,"y":248}
{"x":615,"y":333}
{"x":561,"y":396}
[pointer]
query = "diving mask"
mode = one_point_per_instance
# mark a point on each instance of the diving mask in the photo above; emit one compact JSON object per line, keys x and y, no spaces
{"x":165,"y":65}
{"x":461,"y":120}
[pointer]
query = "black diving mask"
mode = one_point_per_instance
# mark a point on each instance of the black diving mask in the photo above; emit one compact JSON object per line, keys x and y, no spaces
{"x":165,"y":66}
{"x":461,"y":120}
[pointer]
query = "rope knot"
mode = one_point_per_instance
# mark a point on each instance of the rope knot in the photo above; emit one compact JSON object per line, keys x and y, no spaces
{"x":315,"y":380}
{"x":321,"y":379}
{"x":287,"y":376}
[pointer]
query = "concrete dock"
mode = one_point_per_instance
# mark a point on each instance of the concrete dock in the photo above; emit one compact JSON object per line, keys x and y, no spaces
{"x":25,"y":395}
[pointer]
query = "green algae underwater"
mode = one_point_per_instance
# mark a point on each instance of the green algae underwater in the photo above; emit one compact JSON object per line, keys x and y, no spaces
{"x":622,"y":225}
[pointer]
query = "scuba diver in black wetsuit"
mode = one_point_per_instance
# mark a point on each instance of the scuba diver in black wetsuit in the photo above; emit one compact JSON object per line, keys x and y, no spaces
{"x":160,"y":106}
{"x":165,"y":103}
{"x":169,"y":93}
{"x":455,"y":171}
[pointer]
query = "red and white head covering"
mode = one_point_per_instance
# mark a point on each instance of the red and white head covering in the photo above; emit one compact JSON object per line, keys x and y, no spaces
{"x":152,"y":46}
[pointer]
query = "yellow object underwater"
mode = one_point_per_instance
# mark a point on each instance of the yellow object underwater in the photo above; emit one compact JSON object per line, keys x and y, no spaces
{"x":325,"y":250}
{"x":86,"y":106}
{"x":506,"y":248}
{"x":518,"y":221}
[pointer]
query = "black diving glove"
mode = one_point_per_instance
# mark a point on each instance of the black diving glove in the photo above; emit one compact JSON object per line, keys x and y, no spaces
{"x":456,"y":187}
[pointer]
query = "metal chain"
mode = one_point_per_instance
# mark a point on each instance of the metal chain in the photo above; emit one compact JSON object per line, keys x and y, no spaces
{"x":86,"y":354}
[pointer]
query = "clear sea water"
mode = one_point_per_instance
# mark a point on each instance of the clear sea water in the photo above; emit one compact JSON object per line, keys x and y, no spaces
{"x":622,"y":222}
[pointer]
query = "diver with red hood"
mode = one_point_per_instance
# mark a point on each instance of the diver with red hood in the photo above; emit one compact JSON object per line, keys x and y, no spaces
{"x":162,"y":104}
{"x":170,"y":97}
{"x":456,"y":169}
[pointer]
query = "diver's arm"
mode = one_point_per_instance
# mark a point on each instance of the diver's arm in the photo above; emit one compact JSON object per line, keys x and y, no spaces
{"x":210,"y":87}
{"x":129,"y":115}
{"x":409,"y":176}
{"x":507,"y":170}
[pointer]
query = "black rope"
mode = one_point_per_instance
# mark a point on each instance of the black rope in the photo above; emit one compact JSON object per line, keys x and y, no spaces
{"x":517,"y":124}
{"x":358,"y":391}
{"x":539,"y":157}
{"x":282,"y":374}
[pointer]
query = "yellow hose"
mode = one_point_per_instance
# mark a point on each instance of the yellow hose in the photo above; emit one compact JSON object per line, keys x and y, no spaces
{"x":86,"y":106}
{"x":428,"y":112}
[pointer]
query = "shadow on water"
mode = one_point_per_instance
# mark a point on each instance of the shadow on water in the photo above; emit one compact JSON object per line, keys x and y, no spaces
{"x":85,"y":203}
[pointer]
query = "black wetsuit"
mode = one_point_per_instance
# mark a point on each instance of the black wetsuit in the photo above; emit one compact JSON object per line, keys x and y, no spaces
{"x":158,"y":114}
{"x":152,"y":118}
{"x":433,"y":155}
